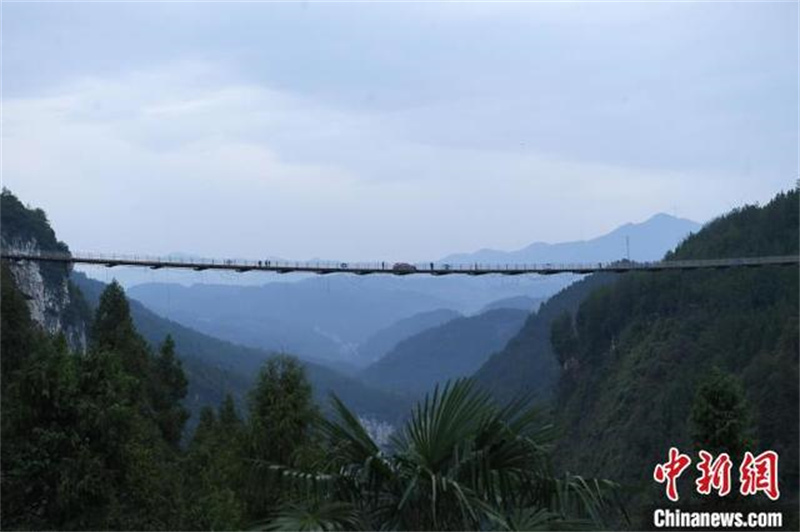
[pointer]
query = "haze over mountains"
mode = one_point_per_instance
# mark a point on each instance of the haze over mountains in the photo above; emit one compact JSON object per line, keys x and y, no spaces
{"x":648,"y":240}
{"x":449,"y":351}
{"x":330,"y":318}
{"x":383,"y":341}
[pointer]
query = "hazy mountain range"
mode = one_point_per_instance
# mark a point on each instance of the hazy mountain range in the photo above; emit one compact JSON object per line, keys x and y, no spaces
{"x":648,"y":240}
{"x":333,"y":318}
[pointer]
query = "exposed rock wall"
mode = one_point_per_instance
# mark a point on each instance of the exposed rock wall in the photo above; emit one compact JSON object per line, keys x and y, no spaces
{"x":51,"y":300}
{"x":54,"y":302}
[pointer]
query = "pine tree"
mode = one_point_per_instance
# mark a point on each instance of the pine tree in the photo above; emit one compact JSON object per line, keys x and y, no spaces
{"x":168,"y":388}
{"x":113,"y":330}
{"x":281,"y":410}
{"x":228,"y":417}
{"x":282,"y":415}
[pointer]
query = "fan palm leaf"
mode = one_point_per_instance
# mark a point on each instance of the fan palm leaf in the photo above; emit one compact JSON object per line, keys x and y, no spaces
{"x":460,"y":462}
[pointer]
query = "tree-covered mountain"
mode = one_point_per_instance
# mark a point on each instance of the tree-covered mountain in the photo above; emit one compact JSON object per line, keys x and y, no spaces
{"x":527,"y":365}
{"x":451,"y":350}
{"x":384,"y":340}
{"x":215,"y":367}
{"x":642,"y":354}
{"x":648,"y":240}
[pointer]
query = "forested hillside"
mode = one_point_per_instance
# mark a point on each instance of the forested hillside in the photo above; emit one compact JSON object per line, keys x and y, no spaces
{"x":527,"y":365}
{"x":89,"y":440}
{"x":94,"y":440}
{"x":451,"y":350}
{"x":639,"y":352}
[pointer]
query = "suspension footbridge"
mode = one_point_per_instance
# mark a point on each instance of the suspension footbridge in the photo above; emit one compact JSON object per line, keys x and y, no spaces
{"x":393,"y":268}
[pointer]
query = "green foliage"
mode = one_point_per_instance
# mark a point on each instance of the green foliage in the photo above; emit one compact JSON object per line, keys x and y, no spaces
{"x":214,"y":470}
{"x":91,"y":442}
{"x":459,"y":463}
{"x":528,"y":365}
{"x":748,"y":231}
{"x":314,"y":514}
{"x":281,"y":410}
{"x":82,"y":446}
{"x":16,"y":326}
{"x":562,"y":337}
{"x":230,"y":460}
{"x":646,"y":344}
{"x":719,"y":415}
{"x":113,"y":329}
{"x":27,"y":224}
{"x":282,"y":417}
{"x":168,"y":388}
{"x":20,"y":224}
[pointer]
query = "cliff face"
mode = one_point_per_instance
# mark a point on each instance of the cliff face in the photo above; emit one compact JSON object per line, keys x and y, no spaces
{"x":54,"y":302}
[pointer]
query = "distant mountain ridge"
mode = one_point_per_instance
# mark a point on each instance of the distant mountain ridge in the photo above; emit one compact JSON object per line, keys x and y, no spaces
{"x":648,"y":240}
{"x":382,"y":342}
{"x":454,"y":349}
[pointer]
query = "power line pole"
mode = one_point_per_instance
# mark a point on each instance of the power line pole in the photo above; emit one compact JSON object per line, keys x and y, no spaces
{"x":628,"y":247}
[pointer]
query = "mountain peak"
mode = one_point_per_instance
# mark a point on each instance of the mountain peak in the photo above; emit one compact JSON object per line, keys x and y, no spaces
{"x":647,"y":240}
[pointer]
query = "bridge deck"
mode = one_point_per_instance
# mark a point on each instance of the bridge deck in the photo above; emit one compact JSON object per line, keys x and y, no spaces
{"x":434,"y":268}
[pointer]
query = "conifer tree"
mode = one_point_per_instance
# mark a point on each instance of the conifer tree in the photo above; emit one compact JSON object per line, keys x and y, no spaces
{"x":113,"y":330}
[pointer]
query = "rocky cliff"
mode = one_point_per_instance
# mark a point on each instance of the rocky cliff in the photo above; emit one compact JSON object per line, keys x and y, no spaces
{"x":55,"y":303}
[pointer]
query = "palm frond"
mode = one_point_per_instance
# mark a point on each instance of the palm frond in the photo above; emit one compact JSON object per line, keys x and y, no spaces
{"x":316,"y":515}
{"x":460,"y":462}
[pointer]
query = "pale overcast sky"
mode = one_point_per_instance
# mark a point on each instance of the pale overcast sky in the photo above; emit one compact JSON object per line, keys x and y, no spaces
{"x":398,"y":131}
